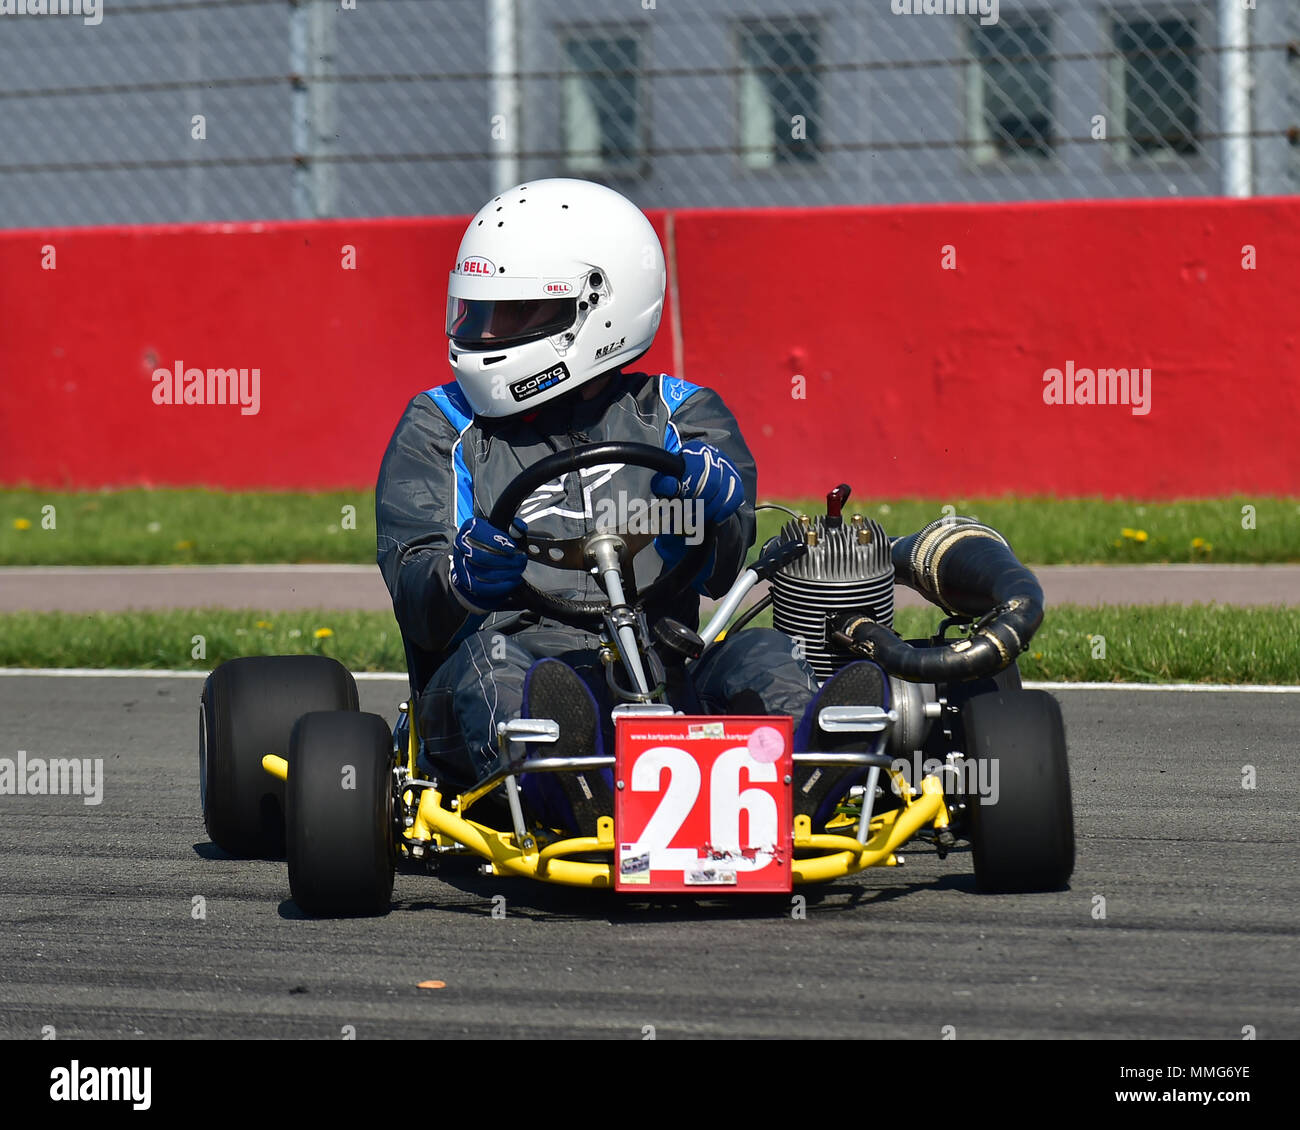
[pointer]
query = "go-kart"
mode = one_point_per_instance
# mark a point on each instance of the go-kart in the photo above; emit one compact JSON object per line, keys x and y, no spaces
{"x":289,"y":765}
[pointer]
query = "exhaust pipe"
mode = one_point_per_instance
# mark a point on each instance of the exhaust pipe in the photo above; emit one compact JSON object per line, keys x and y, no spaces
{"x":967,"y":569}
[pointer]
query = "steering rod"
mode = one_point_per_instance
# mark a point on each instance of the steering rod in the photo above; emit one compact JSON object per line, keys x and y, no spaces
{"x":604,"y":550}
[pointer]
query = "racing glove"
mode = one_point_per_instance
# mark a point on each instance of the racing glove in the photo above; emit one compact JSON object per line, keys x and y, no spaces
{"x":710,"y":476}
{"x":486,"y":565}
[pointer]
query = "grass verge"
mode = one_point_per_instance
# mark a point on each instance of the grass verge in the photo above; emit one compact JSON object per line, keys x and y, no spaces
{"x":1146,"y":644}
{"x":187,"y":527}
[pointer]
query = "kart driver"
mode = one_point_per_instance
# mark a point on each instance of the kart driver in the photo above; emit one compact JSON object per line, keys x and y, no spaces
{"x":557,"y":290}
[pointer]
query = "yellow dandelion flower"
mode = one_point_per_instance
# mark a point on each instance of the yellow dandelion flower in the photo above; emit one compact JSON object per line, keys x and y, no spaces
{"x":1117,"y":543}
{"x":1127,"y":533}
{"x":266,"y":624}
{"x":1139,"y":535}
{"x":323,"y":633}
{"x":1038,"y":655}
{"x":183,"y":545}
{"x":22,"y":524}
{"x":1198,"y":543}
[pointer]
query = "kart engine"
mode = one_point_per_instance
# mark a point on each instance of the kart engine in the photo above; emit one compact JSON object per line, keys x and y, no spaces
{"x":838,"y":599}
{"x":846,"y":569}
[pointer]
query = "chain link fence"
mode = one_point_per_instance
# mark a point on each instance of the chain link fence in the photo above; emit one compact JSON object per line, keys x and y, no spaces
{"x":181,"y":110}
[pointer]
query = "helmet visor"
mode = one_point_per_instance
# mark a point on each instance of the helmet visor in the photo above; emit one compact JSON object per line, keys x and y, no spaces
{"x":479,"y":324}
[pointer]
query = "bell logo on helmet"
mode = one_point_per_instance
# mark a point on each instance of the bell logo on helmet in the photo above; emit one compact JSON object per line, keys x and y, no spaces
{"x":558,"y":288}
{"x":540,"y":382}
{"x":476,"y":265}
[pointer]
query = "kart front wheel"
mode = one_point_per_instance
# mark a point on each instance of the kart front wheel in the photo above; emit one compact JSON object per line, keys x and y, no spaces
{"x":1022,"y":824}
{"x":247,"y":709}
{"x":339,"y":814}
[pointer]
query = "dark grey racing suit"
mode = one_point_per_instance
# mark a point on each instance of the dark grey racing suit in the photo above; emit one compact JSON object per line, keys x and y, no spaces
{"x":443,"y":465}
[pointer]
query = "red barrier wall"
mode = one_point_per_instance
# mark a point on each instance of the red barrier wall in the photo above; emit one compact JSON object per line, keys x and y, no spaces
{"x":340,"y":351}
{"x":926,"y":381}
{"x":916,"y":379}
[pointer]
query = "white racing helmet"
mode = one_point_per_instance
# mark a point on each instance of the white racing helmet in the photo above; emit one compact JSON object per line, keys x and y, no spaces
{"x":555,"y":282}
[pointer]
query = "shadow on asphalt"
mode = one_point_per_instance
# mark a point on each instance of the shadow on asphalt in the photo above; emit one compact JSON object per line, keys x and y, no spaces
{"x":538,"y":901}
{"x":209,"y":850}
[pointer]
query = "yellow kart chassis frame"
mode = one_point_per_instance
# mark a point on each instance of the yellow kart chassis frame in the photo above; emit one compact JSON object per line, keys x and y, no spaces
{"x":443,"y":828}
{"x":843,"y":855}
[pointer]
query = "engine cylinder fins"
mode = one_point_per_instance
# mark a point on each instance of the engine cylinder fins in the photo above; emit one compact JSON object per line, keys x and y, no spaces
{"x":850,"y":552}
{"x":847,"y":568}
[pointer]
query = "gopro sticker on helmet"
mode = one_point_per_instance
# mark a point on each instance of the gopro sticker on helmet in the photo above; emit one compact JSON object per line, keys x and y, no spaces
{"x":540,"y":382}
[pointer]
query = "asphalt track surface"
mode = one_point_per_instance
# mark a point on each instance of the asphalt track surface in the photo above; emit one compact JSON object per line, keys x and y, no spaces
{"x":1199,"y":938}
{"x":287,"y":587}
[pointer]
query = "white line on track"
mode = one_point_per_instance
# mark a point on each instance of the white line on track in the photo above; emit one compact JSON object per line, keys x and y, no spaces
{"x":399,"y":676}
{"x":1246,"y":688}
{"x":151,"y":673}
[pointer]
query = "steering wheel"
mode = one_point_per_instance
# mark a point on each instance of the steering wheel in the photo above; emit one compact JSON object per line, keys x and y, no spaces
{"x":574,"y":553}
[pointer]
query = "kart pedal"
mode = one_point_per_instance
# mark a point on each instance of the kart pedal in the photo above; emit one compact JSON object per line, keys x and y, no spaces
{"x":817,"y":788}
{"x":574,"y":801}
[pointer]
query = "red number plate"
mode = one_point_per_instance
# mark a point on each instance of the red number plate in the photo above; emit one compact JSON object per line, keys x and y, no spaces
{"x":703,"y":803}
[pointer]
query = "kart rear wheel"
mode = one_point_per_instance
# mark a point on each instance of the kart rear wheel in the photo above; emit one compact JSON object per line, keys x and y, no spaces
{"x":945,"y":737}
{"x":247,"y":709}
{"x":339,"y":815}
{"x":1008,"y":679}
{"x":1022,"y":836}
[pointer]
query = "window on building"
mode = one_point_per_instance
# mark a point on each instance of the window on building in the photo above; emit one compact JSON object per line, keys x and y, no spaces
{"x":1155,"y":87}
{"x":1009,"y":90}
{"x":602,"y":109}
{"x":780,"y":96}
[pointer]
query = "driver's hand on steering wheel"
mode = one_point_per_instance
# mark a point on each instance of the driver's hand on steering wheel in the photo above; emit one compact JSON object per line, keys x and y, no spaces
{"x":486,"y":565}
{"x":710,"y":476}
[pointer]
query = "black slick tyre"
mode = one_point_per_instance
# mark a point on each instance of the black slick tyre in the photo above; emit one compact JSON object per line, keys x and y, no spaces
{"x":247,"y":709}
{"x":1022,"y":837}
{"x":339,"y":815}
